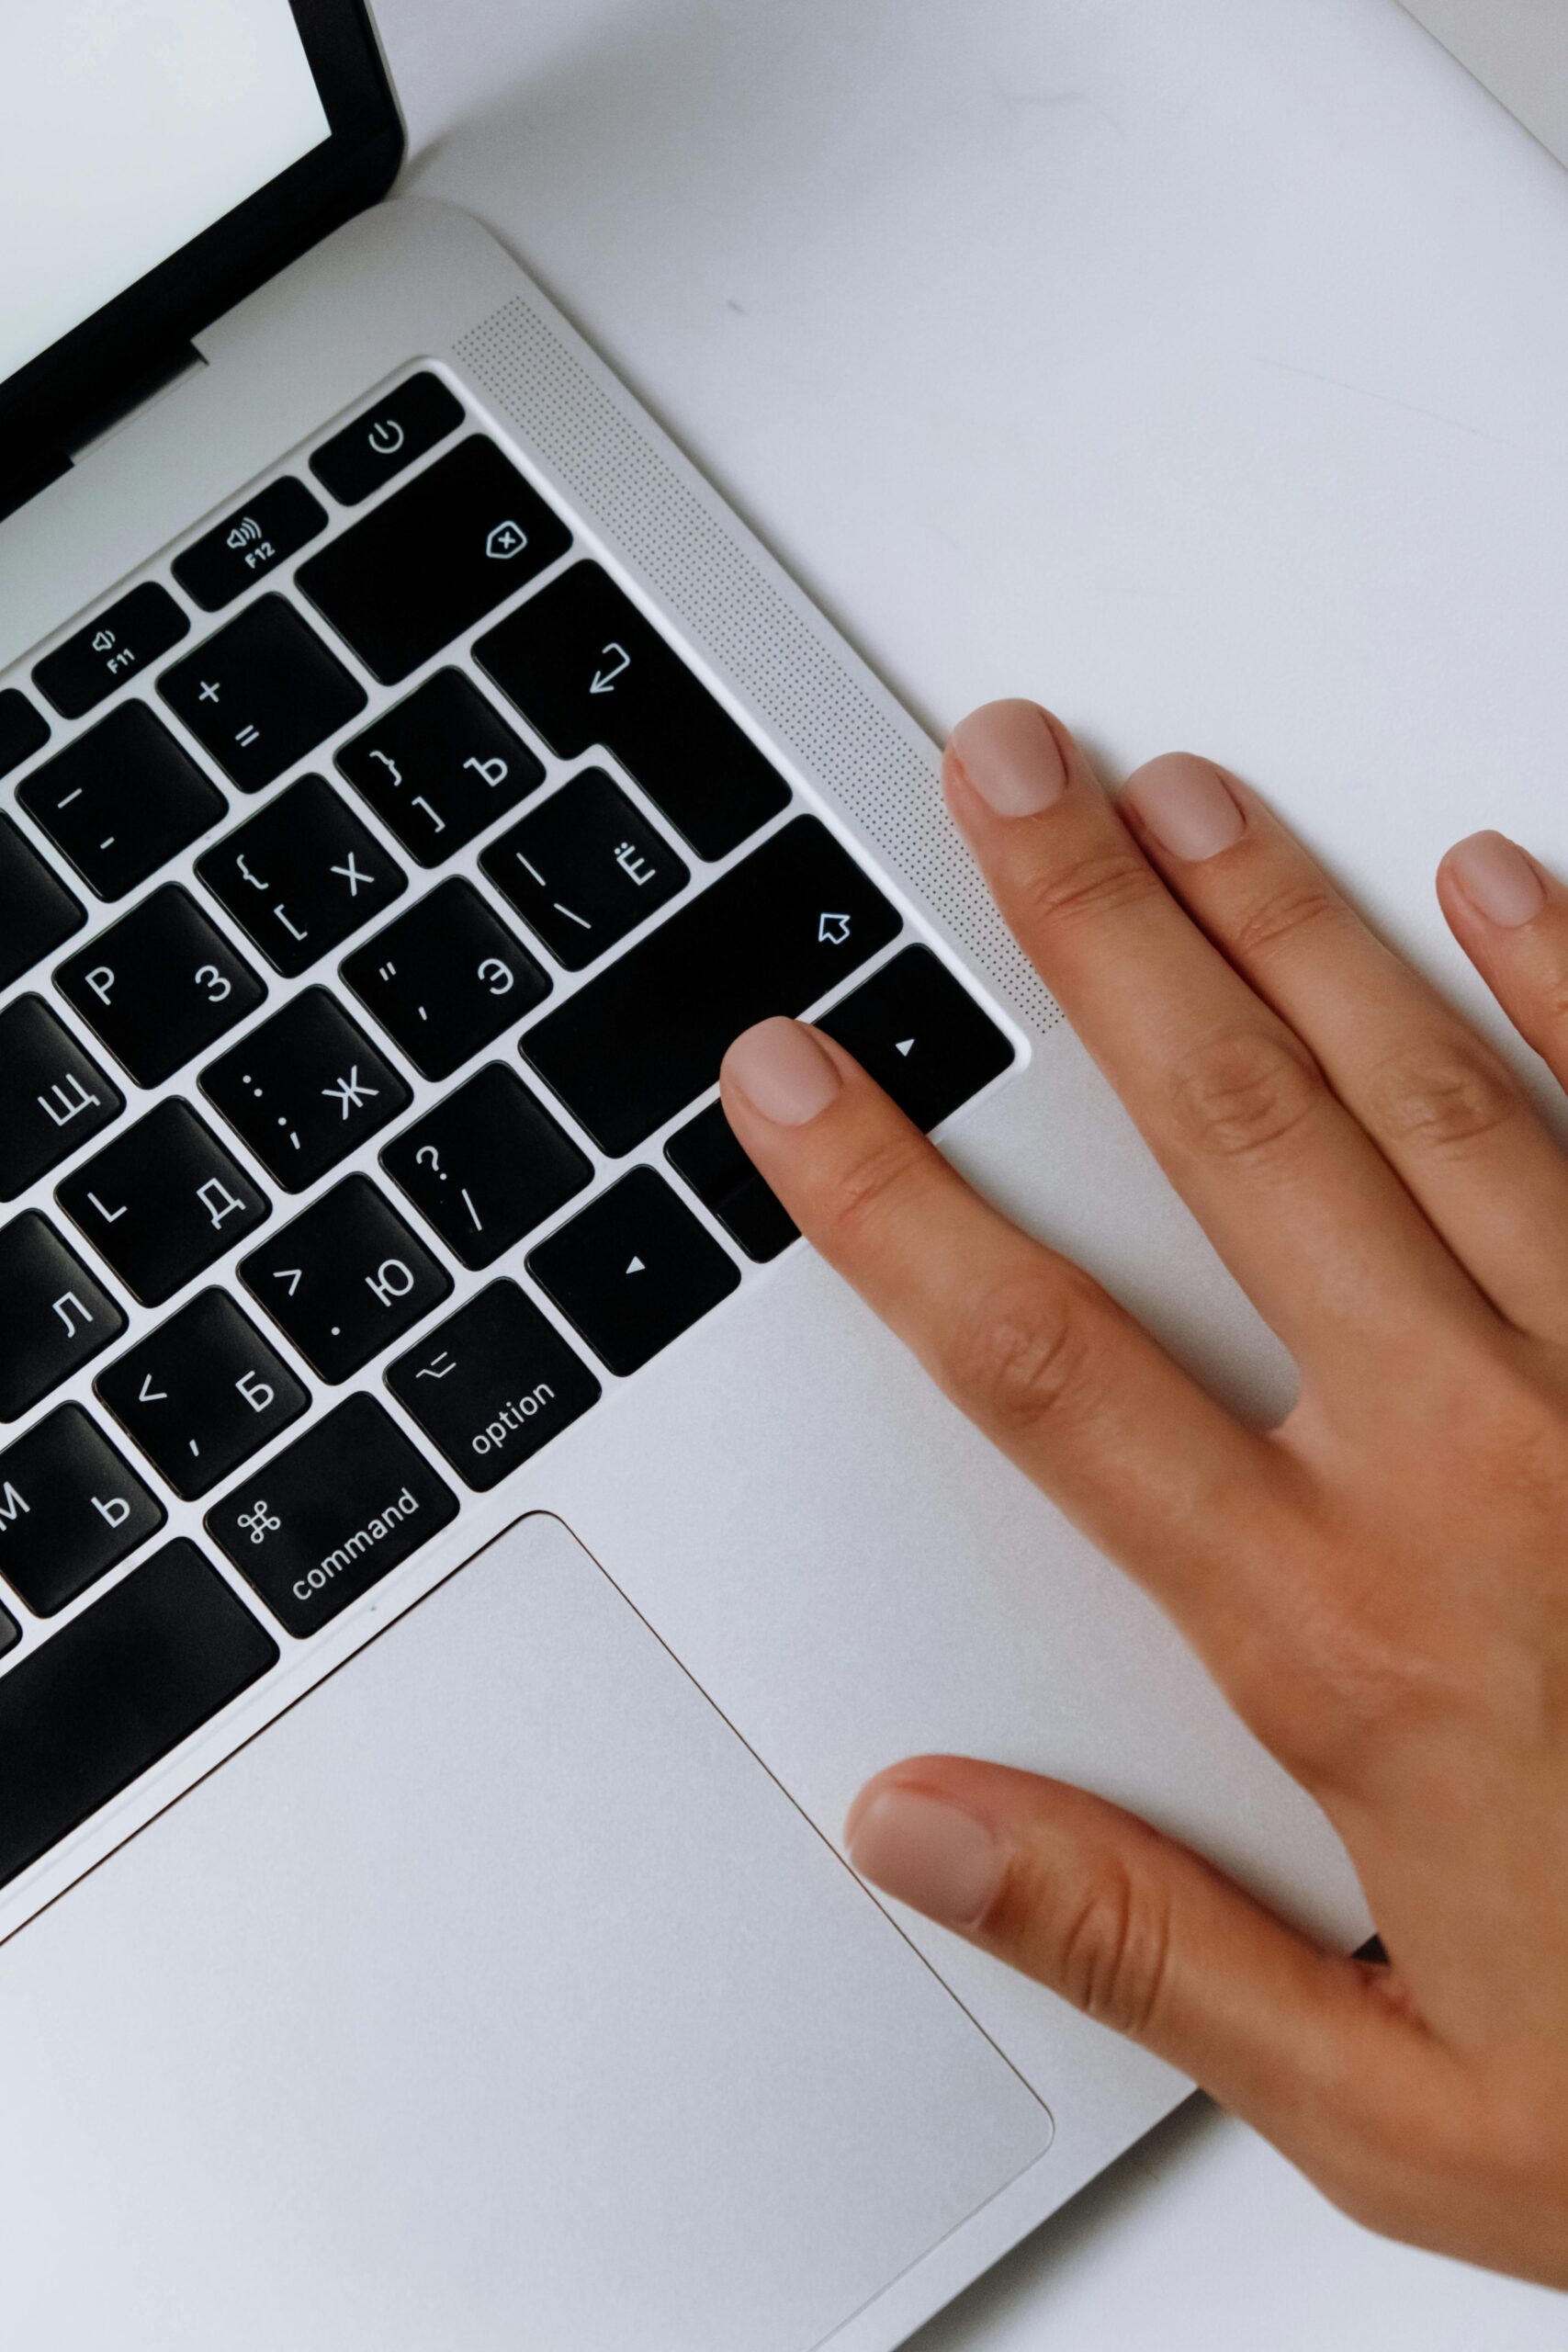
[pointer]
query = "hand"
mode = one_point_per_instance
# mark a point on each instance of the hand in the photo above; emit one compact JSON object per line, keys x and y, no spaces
{"x":1380,"y":1585}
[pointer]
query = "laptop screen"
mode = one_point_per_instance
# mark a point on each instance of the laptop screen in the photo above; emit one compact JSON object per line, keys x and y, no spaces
{"x":125,"y":130}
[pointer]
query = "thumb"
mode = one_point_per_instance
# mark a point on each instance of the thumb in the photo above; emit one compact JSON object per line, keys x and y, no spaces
{"x":1143,"y":1934}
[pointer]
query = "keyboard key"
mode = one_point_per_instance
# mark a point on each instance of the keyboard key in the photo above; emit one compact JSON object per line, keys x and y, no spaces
{"x":114,"y":1690}
{"x":95,"y":660}
{"x":493,"y":1384}
{"x":440,"y":767}
{"x":305,"y":1088}
{"x":163,"y":1201}
{"x":22,"y":730}
{"x":445,"y":979}
{"x":345,"y":1279}
{"x":706,"y":1154}
{"x":57,"y":1317}
{"x":161,"y":985}
{"x":262,"y":693}
{"x":633,"y":1270}
{"x":201,"y":1393}
{"x":645,"y":1036}
{"x":406,"y":422}
{"x":301,"y":875}
{"x":584,"y":667}
{"x":434,"y":559}
{"x":10,"y":1633}
{"x":584,"y":869}
{"x":70,"y":1510}
{"x":36,"y":912}
{"x":121,"y":800}
{"x":53,"y":1096}
{"x":333,"y":1514}
{"x":486,"y":1165}
{"x":273,"y":524}
{"x":921,"y":1035}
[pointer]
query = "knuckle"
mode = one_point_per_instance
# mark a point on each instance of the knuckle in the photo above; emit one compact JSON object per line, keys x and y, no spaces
{"x":1100,"y":883}
{"x":1023,"y":1350}
{"x":1442,"y":1096}
{"x":1112,"y":1958}
{"x":1295,"y":910}
{"x":1244,"y":1093}
{"x":875,"y":1188}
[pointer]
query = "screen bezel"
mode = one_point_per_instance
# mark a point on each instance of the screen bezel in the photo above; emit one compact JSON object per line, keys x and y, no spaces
{"x":52,"y":404}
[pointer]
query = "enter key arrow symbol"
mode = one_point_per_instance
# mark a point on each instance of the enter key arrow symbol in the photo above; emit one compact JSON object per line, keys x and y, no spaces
{"x":614,"y":659}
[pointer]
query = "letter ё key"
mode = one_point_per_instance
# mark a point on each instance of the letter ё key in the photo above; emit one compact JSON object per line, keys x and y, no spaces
{"x":332,"y":1514}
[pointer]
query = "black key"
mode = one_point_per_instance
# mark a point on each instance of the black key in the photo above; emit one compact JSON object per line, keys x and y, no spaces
{"x":10,"y":1633}
{"x":920,"y":1034}
{"x":305,"y":1088}
{"x":114,"y":1690}
{"x":493,"y":1384}
{"x":161,"y":985}
{"x":70,"y":1510}
{"x":52,"y":1094}
{"x":642,"y":1038}
{"x":584,"y":667}
{"x":441,"y":766}
{"x":302,"y":875}
{"x":163,"y":1201}
{"x":201,"y":1393}
{"x":273,"y":524}
{"x":584,"y":869}
{"x":262,"y":693}
{"x":486,"y":1165}
{"x":333,"y":1514}
{"x":345,"y":1279}
{"x":446,"y":978}
{"x":57,"y":1317}
{"x":434,"y":559}
{"x":706,"y":1154}
{"x":36,"y":912}
{"x":22,"y":730}
{"x":406,"y":422}
{"x":633,"y":1270}
{"x":121,"y":800}
{"x":95,"y":660}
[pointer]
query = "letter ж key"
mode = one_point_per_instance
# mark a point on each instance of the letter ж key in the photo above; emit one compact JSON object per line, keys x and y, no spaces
{"x":53,"y":1096}
{"x":332,"y":1514}
{"x":305,"y":1088}
{"x":70,"y":1510}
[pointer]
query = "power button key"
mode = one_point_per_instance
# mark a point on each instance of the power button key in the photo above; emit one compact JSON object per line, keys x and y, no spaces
{"x":406,"y":422}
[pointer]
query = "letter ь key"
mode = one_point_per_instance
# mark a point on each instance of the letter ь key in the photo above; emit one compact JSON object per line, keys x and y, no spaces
{"x":70,"y":1510}
{"x":53,"y":1096}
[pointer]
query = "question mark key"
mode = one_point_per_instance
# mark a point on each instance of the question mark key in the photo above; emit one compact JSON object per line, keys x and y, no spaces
{"x":487,"y":1165}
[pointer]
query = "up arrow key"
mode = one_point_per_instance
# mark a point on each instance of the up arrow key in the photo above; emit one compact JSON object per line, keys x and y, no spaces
{"x":833,"y":930}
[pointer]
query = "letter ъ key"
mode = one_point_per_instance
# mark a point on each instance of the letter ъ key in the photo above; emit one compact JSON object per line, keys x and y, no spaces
{"x":53,"y":1096}
{"x":57,"y":1317}
{"x":201,"y":1393}
{"x":332,"y":1514}
{"x":159,"y":986}
{"x":440,"y":767}
{"x":163,"y":1201}
{"x":70,"y":1510}
{"x":345,"y":1279}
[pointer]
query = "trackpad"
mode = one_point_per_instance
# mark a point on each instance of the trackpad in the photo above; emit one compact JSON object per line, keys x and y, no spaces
{"x":494,"y":1996}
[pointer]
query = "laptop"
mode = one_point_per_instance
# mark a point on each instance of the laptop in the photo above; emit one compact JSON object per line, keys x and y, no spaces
{"x":1517,"y":49}
{"x":459,"y":1552}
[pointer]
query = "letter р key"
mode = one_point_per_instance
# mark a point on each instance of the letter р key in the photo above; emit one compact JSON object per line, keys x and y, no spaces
{"x":201,"y":1393}
{"x":71,"y":1508}
{"x":161,"y":985}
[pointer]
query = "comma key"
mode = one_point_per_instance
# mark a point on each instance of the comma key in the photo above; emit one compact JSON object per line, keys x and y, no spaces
{"x":332,"y":1514}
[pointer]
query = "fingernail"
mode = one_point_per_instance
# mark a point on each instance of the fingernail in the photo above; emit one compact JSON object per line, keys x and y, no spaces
{"x":1188,"y":807}
{"x":782,"y":1072}
{"x":928,"y":1854}
{"x":1497,"y":878}
{"x":1008,"y":753}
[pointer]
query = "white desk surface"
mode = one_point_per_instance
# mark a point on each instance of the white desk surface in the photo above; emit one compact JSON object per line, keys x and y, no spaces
{"x":1200,"y":365}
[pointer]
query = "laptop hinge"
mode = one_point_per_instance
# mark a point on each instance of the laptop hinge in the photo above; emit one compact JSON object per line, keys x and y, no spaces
{"x":18,"y":483}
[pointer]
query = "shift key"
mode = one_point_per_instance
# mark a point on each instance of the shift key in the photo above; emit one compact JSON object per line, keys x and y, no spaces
{"x":646,"y":1036}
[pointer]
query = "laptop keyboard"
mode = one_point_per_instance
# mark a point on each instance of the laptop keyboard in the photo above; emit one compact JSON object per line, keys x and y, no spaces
{"x":353,"y":943}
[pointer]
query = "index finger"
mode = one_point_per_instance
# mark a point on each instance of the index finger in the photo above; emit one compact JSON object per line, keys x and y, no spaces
{"x":1035,"y":1351}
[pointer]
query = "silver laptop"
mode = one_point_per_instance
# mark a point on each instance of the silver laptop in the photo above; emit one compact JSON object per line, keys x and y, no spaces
{"x":459,"y":1552}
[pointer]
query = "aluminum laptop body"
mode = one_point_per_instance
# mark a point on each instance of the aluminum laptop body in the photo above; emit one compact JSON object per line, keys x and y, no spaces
{"x":458,"y":1556}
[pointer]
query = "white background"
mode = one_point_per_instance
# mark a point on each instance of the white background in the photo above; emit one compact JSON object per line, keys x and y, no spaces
{"x":1199,"y":365}
{"x":125,"y":130}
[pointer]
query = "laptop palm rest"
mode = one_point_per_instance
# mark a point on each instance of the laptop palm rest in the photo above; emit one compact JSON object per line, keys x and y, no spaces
{"x":496,"y":1997}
